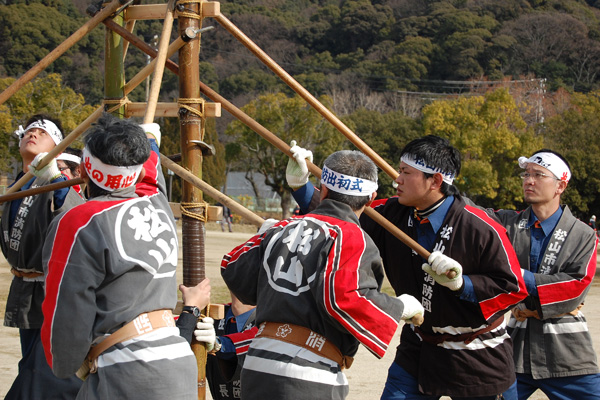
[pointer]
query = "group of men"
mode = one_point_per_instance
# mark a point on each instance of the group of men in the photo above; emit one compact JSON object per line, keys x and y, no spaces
{"x":315,"y":279}
{"x":95,"y":282}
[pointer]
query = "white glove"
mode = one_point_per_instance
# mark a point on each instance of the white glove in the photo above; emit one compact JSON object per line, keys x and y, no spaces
{"x":296,"y":172}
{"x":48,"y":173}
{"x":205,"y":332}
{"x":153,"y":129}
{"x":266,"y":225}
{"x":412,"y":308}
{"x":438,"y":265}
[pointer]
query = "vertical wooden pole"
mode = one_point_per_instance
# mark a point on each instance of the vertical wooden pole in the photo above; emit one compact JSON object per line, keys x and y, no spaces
{"x":192,"y":128}
{"x":114,"y":70}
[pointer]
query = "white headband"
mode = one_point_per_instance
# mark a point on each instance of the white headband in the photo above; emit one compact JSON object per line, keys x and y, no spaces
{"x":346,"y":184}
{"x":109,"y":177}
{"x":69,"y":157}
{"x":421,"y":165}
{"x":551,"y":162}
{"x":47,"y":126}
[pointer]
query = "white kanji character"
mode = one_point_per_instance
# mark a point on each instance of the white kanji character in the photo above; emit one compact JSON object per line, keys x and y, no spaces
{"x":23,"y":211}
{"x":298,"y":239}
{"x":16,"y":234}
{"x":293,"y":273}
{"x":170,"y":251}
{"x":446,"y":231}
{"x":19,"y":223}
{"x":554,"y":247}
{"x":560,"y":235}
{"x":427,"y":291}
{"x":315,"y":341}
{"x":140,"y":223}
{"x":550,"y":259}
{"x":27,"y":201}
{"x":223,"y":390}
{"x":429,"y":279}
{"x":426,"y":303}
{"x":142,"y":324}
{"x":439,"y":247}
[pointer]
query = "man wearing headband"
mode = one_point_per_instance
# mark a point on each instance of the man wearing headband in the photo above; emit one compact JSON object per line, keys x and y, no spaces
{"x":552,"y":345}
{"x":110,"y":267}
{"x":462,"y":349}
{"x":24,"y":224}
{"x":315,"y":280}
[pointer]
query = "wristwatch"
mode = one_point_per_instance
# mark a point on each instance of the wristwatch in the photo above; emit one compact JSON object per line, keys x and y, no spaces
{"x":195,"y":311}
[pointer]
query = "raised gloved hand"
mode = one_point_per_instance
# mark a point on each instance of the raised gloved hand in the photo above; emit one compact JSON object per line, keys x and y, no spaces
{"x":266,"y":225}
{"x":297,"y":172}
{"x":153,"y":129}
{"x":48,"y":173}
{"x":413,"y":310}
{"x":439,"y":266}
{"x":205,"y":332}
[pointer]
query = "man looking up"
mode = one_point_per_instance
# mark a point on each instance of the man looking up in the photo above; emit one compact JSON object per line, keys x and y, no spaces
{"x":24,"y":225}
{"x":462,"y":349}
{"x":552,"y":345}
{"x":316,"y":282}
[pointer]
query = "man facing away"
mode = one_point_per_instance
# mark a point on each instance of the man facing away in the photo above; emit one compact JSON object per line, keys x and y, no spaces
{"x":316,"y":282}
{"x":462,"y":350}
{"x":557,"y":252}
{"x":110,"y":268}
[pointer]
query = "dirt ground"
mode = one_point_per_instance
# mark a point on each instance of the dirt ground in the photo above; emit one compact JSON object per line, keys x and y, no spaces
{"x":367,"y":375}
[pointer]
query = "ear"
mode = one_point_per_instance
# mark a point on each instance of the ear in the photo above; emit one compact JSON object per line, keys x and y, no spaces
{"x":83,"y":174}
{"x":372,"y":198}
{"x":561,"y":187}
{"x":438,"y":179}
{"x":324,"y":192}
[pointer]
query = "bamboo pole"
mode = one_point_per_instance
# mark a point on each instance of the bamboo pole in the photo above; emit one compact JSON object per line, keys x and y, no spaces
{"x":147,"y":70}
{"x":139,"y":43}
{"x":40,"y":189}
{"x":114,"y":66}
{"x":59,"y":148}
{"x":305,"y":94}
{"x":129,"y":25}
{"x":191,"y":123}
{"x":59,"y":50}
{"x":210,"y":191}
{"x":285,"y":148}
{"x":362,"y":146}
{"x":163,"y":47}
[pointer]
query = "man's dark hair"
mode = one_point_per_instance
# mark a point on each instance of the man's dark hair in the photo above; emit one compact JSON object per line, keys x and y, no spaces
{"x":438,"y":152}
{"x":353,"y":163}
{"x":39,"y":117}
{"x":73,"y":166}
{"x":114,"y":141}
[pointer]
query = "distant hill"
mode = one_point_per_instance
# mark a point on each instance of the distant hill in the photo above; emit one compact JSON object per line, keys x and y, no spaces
{"x":385,"y":46}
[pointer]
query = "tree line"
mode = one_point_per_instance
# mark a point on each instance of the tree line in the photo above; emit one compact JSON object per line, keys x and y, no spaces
{"x":499,"y":79}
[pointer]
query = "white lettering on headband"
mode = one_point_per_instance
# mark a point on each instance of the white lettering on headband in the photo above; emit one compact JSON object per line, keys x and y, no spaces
{"x":551,"y":162}
{"x":69,"y":157}
{"x":109,"y":177}
{"x":420,"y":164}
{"x":346,"y":184}
{"x":47,"y":126}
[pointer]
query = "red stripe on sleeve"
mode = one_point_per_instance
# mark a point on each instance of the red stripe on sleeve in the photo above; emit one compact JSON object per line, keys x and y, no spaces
{"x":68,"y":227}
{"x":342,"y":277}
{"x":563,"y":291}
{"x":504,"y":300}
